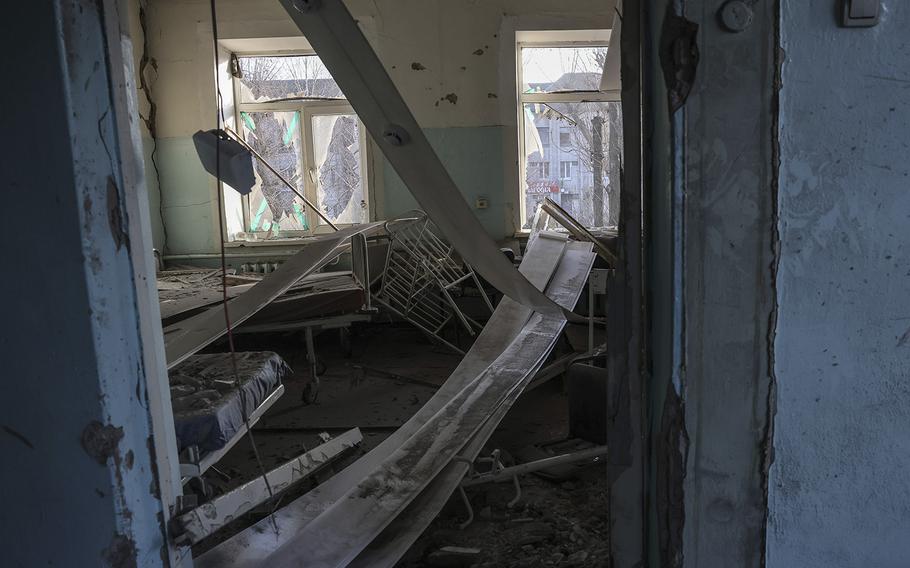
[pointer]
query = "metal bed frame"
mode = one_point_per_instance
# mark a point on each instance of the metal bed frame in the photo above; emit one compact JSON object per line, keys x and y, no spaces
{"x":421,"y":273}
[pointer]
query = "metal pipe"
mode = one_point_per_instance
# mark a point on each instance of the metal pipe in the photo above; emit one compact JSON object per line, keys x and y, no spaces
{"x":237,"y":137}
{"x":510,"y":472}
{"x":578,"y":231}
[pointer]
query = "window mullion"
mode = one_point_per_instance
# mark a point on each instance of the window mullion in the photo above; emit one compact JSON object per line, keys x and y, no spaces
{"x":238,"y":128}
{"x":309,"y":185}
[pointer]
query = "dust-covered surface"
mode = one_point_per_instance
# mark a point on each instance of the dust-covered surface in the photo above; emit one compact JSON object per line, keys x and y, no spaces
{"x":554,"y":524}
{"x":208,"y":406}
{"x":380,"y":403}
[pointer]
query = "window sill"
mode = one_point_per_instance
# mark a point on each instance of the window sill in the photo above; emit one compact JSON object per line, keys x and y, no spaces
{"x":261,"y":244}
{"x":289,"y":241}
{"x":295,"y":241}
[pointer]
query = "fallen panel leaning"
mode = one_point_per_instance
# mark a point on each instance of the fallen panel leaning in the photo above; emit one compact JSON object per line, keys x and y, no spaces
{"x":176,"y":303}
{"x":252,"y":546}
{"x":204,"y":520}
{"x":184,"y":338}
{"x":400,"y":534}
{"x":337,"y":536}
{"x":342,"y":47}
{"x":340,"y":294}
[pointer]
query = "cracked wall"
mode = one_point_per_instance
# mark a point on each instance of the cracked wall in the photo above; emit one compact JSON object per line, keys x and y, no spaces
{"x":838,"y":491}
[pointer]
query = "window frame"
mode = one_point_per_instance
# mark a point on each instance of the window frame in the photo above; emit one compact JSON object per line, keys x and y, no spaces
{"x":566,"y":97}
{"x":541,"y":168}
{"x":571,"y":165}
{"x":307,"y":109}
{"x":544,"y":141}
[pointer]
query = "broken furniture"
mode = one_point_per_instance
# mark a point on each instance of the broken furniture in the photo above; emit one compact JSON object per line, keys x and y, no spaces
{"x":381,"y":503}
{"x":200,"y":522}
{"x":186,"y":337}
{"x":421,"y":275}
{"x":212,"y":411}
{"x":498,"y":473}
{"x":319,"y":302}
{"x":183,"y":293}
{"x":366,"y":514}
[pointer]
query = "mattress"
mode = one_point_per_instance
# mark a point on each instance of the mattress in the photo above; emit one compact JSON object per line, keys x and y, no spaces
{"x":208,"y":407}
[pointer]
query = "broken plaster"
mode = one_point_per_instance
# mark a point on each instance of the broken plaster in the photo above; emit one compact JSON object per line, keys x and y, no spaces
{"x":100,"y":441}
{"x":121,"y":553}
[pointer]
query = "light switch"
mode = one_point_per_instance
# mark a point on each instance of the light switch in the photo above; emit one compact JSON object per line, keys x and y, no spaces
{"x":861,"y":13}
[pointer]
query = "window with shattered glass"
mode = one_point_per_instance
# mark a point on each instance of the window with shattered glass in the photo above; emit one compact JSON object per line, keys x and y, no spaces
{"x":292,"y":113}
{"x":570,"y":132}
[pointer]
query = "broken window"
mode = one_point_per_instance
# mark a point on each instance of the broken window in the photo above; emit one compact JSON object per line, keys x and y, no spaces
{"x":337,"y":156}
{"x":558,"y":92}
{"x":274,"y":207}
{"x":292,"y":112}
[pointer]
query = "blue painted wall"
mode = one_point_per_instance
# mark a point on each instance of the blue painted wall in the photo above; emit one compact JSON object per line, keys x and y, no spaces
{"x":71,"y":353}
{"x":839,"y":493}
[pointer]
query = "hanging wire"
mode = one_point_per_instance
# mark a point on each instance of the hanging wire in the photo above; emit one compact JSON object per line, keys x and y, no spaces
{"x":219,"y":120}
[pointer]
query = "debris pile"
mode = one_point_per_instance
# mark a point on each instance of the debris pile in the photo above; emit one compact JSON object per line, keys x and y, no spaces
{"x":554,"y":524}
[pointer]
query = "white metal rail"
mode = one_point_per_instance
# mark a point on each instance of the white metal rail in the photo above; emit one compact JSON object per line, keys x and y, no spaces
{"x":420,"y":276}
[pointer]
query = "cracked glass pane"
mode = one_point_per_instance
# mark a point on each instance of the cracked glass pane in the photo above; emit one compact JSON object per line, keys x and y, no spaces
{"x":336,"y":148}
{"x":273,"y":206}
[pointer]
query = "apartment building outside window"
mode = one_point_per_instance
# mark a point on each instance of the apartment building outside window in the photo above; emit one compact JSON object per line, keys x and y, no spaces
{"x":558,"y":92}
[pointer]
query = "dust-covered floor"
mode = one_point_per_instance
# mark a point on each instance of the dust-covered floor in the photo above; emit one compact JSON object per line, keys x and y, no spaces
{"x":553,"y":524}
{"x":375,"y":380}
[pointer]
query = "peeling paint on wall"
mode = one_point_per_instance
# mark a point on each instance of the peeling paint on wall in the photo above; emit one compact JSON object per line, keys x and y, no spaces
{"x":678,"y":57}
{"x":100,"y":440}
{"x":121,"y":553}
{"x":673,"y":449}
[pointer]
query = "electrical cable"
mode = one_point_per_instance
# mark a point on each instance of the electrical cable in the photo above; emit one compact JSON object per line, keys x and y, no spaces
{"x":219,"y":119}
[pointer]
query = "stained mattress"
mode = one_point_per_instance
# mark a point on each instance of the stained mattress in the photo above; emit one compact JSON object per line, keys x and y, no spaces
{"x":208,"y":407}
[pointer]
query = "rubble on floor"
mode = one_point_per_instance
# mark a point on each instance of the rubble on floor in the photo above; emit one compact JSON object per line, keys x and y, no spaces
{"x":554,"y":524}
